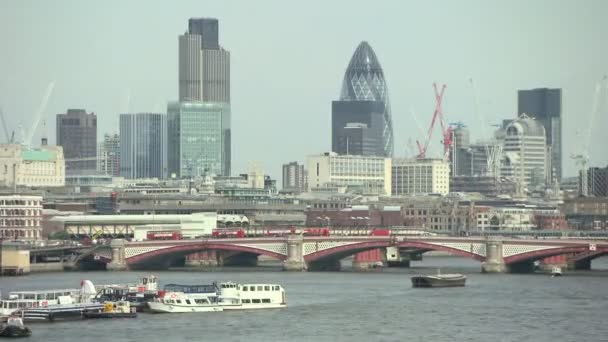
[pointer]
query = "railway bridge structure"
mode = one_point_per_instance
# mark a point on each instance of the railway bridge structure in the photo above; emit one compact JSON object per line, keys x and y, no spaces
{"x":299,"y":253}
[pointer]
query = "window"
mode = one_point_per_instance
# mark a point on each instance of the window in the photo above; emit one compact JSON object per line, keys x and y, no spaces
{"x":251,"y":288}
{"x":255,"y":301}
{"x":260,"y":288}
{"x":276,"y":288}
{"x":178,"y":301}
{"x":246,"y":301}
{"x":188,"y":301}
{"x":245,"y":288}
{"x":266,"y":288}
{"x":266,"y":300}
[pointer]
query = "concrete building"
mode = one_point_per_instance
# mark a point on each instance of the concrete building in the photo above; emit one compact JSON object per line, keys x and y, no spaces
{"x":545,"y":105}
{"x":505,"y":219}
{"x":77,"y":134}
{"x":143,"y":145}
{"x":363,"y":174}
{"x":14,"y":259}
{"x":586,"y":212}
{"x":488,"y":186}
{"x":198,"y":138}
{"x":525,"y":152}
{"x":108,"y":159}
{"x":460,"y":156}
{"x":32,"y":168}
{"x":294,"y":177}
{"x":204,"y":66}
{"x":20,"y":217}
{"x":361,"y":119}
{"x":420,"y":176}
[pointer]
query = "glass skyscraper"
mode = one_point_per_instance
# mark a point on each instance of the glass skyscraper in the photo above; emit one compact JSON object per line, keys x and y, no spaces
{"x":198,"y":138}
{"x":143,"y":152}
{"x":361,"y":119}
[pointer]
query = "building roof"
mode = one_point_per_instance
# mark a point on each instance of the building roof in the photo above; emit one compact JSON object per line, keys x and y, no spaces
{"x":527,"y":126}
{"x":38,"y":155}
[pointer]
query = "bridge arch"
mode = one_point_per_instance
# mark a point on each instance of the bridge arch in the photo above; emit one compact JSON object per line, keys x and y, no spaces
{"x":167,"y":255}
{"x":549,"y":252}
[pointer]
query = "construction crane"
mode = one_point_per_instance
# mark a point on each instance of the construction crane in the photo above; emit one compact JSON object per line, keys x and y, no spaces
{"x":30,"y":134}
{"x":582,"y":159}
{"x":493,"y":153}
{"x":8,"y":138}
{"x":445,"y":131}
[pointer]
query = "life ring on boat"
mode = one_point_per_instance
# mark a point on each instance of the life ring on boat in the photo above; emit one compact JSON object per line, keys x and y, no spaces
{"x":44,"y":303}
{"x":173,"y":296}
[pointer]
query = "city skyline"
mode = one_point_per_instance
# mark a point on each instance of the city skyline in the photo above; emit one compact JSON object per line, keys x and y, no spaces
{"x":276,"y":80}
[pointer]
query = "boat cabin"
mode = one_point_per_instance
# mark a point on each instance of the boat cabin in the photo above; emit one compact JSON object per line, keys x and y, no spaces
{"x":235,"y":294}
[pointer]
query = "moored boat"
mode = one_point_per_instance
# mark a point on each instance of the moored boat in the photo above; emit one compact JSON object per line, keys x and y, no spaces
{"x":14,"y":328}
{"x":439,"y":280}
{"x":120,"y":309}
{"x":176,"y":298}
{"x":235,"y":296}
{"x":556,"y":272}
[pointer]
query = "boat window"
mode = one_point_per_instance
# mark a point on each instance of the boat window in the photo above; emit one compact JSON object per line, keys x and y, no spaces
{"x":22,"y":305}
{"x":50,"y":296}
{"x":188,"y":301}
{"x":252,"y":288}
{"x":266,"y":288}
{"x":246,"y":301}
{"x":266,"y":300}
{"x":255,"y":301}
{"x":259,"y":288}
{"x":201,"y":301}
{"x":41,"y":296}
{"x":12,"y":305}
{"x":178,"y":301}
{"x":29,"y":296}
{"x":245,"y":288}
{"x":276,"y":288}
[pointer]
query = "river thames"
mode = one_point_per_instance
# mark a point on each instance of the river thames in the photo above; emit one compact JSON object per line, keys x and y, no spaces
{"x":360,"y":306}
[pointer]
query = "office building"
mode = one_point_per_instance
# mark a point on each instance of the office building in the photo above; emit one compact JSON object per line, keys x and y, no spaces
{"x":545,"y":105}
{"x":204,"y":66}
{"x":361,"y":119}
{"x":20,"y":217}
{"x":143,"y":141}
{"x":420,"y":176}
{"x":108,"y":159}
{"x":525,"y":153}
{"x":198,"y":139}
{"x":31,"y":168}
{"x":77,"y":134}
{"x":359,"y":174}
{"x":597,"y":181}
{"x":294,"y":177}
{"x":460,"y":156}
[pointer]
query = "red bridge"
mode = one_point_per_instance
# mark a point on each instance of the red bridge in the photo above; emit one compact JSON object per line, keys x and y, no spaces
{"x":298,"y":252}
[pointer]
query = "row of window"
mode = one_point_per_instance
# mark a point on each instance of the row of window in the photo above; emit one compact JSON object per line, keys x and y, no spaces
{"x":255,"y":301}
{"x":261,"y":288}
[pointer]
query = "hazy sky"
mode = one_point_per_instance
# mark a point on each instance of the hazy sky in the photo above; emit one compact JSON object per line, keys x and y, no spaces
{"x":288,"y":60}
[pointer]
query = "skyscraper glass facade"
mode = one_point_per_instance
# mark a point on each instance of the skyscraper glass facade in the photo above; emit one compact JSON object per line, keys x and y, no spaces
{"x":198,"y":138}
{"x":361,"y":119}
{"x":143,"y":152}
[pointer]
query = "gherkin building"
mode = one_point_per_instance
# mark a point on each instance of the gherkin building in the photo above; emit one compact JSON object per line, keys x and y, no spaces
{"x":361,"y":119}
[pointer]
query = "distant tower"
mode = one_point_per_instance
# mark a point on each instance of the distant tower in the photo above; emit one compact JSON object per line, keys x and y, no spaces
{"x":77,"y":134}
{"x":361,"y":119}
{"x":143,"y":145}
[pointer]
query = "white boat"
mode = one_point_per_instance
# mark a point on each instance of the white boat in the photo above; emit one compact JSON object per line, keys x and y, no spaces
{"x":556,"y":271}
{"x":176,"y":302}
{"x":235,"y":296}
{"x":19,"y":300}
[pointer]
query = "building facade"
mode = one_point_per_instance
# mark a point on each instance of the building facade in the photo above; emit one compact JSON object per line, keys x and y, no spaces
{"x":108,"y":159}
{"x":20,"y":217}
{"x":204,"y":66}
{"x":361,"y":119}
{"x":33,"y":168}
{"x":364,"y":174}
{"x":77,"y":134}
{"x":294,"y":177}
{"x":597,"y":181}
{"x":545,"y":105}
{"x":198,"y":138}
{"x":420,"y":176}
{"x":143,"y":145}
{"x":525,"y":152}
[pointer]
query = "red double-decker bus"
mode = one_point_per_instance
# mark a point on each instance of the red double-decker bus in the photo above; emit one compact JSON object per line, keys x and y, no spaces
{"x":164,"y":235}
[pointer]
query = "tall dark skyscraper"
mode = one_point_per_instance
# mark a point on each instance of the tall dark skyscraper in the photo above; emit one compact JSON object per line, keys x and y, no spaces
{"x":361,"y":119}
{"x":545,"y":105}
{"x":208,"y":29}
{"x":77,"y":134}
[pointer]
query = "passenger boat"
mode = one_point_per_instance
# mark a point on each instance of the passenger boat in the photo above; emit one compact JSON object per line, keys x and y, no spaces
{"x":439,"y":280}
{"x":14,"y":328}
{"x":176,"y":298}
{"x":120,"y":309}
{"x":67,"y":308}
{"x":235,"y":296}
{"x":136,"y":294}
{"x":19,"y":300}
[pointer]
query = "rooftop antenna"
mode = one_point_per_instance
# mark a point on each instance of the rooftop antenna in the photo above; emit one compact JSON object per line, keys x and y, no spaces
{"x":49,"y":90}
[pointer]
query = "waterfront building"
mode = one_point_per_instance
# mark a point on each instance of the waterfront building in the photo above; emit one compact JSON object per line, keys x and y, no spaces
{"x":545,"y":105}
{"x":204,"y":66}
{"x":108,"y":160}
{"x":20,"y":217}
{"x":586,"y":212}
{"x":363,"y":174}
{"x":361,"y":118}
{"x":143,"y":145}
{"x":525,"y":152}
{"x":198,"y":138}
{"x":420,"y":176}
{"x":488,"y":186}
{"x":294,"y":177}
{"x":32,"y":168}
{"x":77,"y":134}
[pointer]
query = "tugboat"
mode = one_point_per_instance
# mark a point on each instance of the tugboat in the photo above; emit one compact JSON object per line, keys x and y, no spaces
{"x":439,"y":280}
{"x":14,"y":328}
{"x":556,"y":272}
{"x":121,"y":309}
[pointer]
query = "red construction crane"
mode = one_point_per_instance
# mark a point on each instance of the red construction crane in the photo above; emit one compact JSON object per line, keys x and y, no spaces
{"x":445,"y":131}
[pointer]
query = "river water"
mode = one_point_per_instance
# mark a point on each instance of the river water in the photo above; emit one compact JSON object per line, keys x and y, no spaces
{"x":361,"y":306}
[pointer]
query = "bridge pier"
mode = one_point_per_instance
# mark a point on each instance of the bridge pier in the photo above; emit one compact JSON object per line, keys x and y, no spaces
{"x":365,"y":261}
{"x":203,"y":259}
{"x":494,"y":260}
{"x":295,"y":254}
{"x":119,"y":262}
